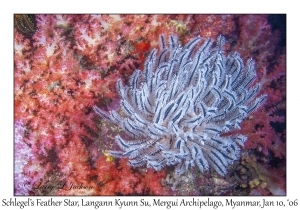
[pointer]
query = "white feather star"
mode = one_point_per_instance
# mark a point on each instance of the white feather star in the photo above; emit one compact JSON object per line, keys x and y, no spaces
{"x":176,"y":109}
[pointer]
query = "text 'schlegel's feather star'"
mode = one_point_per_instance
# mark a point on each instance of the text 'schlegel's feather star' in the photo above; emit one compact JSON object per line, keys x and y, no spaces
{"x":176,"y":109}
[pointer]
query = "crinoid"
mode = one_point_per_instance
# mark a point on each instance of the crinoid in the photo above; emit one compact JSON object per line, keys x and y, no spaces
{"x":25,"y":24}
{"x":176,"y":109}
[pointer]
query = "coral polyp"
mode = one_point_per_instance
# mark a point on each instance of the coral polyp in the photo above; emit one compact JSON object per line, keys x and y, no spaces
{"x":177,"y":108}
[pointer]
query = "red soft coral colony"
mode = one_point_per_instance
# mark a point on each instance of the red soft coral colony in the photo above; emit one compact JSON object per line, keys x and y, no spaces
{"x":64,"y":65}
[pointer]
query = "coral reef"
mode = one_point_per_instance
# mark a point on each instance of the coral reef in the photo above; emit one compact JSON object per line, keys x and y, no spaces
{"x":64,"y":65}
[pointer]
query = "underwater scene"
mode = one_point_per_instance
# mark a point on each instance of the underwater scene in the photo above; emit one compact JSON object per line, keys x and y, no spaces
{"x":119,"y":104}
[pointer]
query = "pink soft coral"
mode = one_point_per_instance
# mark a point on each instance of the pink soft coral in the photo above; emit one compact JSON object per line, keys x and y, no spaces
{"x":118,"y":178}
